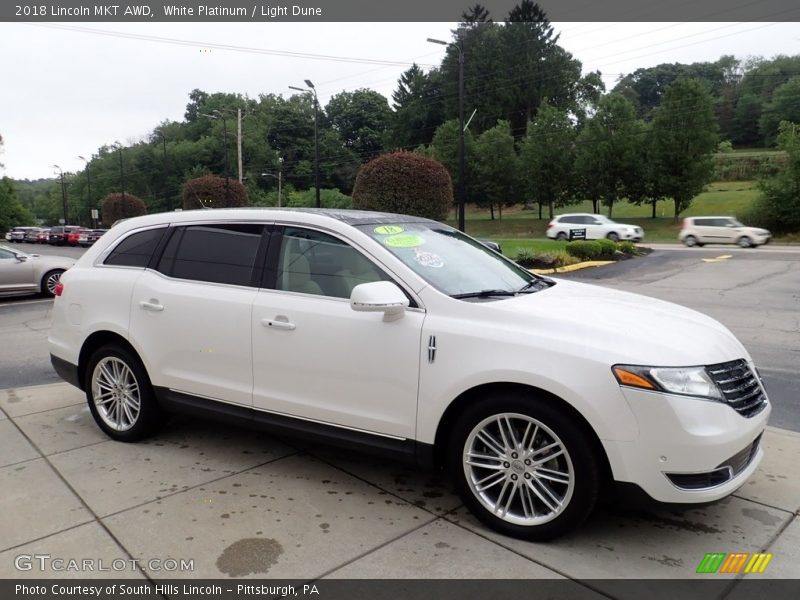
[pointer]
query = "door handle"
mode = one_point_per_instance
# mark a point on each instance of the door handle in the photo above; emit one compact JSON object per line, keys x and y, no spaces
{"x":152,"y":305}
{"x":279,"y":322}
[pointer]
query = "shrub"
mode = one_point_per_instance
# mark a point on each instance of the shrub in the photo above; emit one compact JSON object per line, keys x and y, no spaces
{"x":525,"y":258}
{"x":607,"y":247}
{"x":628,"y":247}
{"x":404,"y":182}
{"x":116,"y":206}
{"x":211,"y":191}
{"x":584,"y":249}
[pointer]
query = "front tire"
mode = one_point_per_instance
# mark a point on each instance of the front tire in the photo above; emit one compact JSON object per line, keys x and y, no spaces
{"x":745,"y":242}
{"x":120,"y":395}
{"x":613,"y":236}
{"x":561,"y":236}
{"x":523,"y":467}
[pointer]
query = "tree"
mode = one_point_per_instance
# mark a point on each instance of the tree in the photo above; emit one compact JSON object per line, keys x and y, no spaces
{"x":418,"y":106}
{"x":496,"y":168}
{"x":12,"y":213}
{"x":684,"y":140}
{"x":778,"y":208}
{"x":211,"y":191}
{"x":404,"y":182}
{"x":784,"y":106}
{"x":444,"y":148}
{"x":547,"y":158}
{"x":118,"y":206}
{"x":608,"y":157}
{"x":361,"y":118}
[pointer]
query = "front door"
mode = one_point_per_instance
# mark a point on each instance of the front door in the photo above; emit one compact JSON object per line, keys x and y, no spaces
{"x":316,"y":358}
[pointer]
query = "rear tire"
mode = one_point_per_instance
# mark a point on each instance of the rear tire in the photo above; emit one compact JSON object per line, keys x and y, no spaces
{"x":120,"y":395}
{"x":561,"y":236}
{"x":50,"y":281}
{"x":523,"y":467}
{"x":690,"y":241}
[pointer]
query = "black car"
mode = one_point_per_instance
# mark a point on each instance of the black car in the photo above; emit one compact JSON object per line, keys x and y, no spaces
{"x":58,"y":234}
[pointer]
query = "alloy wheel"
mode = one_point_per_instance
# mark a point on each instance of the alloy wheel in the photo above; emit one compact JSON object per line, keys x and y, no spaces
{"x":115,"y":393}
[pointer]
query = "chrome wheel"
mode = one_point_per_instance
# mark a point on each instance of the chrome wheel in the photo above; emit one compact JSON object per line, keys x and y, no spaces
{"x":51,"y":281}
{"x":115,"y":393}
{"x":518,"y":469}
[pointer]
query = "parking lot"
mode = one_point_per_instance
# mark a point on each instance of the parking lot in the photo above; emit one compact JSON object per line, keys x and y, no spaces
{"x":244,"y":504}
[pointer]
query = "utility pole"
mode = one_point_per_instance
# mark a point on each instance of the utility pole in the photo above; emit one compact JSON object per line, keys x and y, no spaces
{"x":121,"y":172}
{"x":280,"y":177}
{"x":63,"y":193}
{"x":316,"y":133}
{"x":89,"y":192}
{"x":461,"y":158}
{"x":239,"y":139}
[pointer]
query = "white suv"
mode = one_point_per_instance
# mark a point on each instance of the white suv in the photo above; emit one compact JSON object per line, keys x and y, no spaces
{"x":597,"y":227}
{"x":403,"y":335}
{"x":699,"y":231}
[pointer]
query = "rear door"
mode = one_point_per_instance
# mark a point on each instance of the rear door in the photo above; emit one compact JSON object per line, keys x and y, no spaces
{"x":191,"y":313}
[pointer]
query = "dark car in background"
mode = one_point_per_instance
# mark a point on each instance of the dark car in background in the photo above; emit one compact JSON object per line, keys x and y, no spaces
{"x":58,"y":234}
{"x":32,"y":235}
{"x":89,"y":236}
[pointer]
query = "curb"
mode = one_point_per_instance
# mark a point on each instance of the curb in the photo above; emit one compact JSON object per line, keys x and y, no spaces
{"x":576,"y":267}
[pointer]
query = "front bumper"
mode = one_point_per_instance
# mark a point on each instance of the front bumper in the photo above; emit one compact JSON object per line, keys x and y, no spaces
{"x":682,"y":439}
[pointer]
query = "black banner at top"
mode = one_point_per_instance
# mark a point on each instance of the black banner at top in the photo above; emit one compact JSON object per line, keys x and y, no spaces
{"x":265,"y":11}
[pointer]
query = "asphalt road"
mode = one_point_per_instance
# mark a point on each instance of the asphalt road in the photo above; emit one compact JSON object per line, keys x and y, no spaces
{"x":755,"y":293}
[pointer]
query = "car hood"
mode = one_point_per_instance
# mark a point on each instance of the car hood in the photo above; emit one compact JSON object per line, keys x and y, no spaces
{"x":755,"y":230}
{"x":625,"y":327}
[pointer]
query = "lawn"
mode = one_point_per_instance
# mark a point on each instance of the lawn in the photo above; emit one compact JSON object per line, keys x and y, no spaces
{"x":517,"y":224}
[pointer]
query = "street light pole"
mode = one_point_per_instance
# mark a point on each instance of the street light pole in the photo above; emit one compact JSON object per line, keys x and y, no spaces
{"x":167,"y":203}
{"x":89,"y":192}
{"x":462,"y":168}
{"x":63,"y":193}
{"x":316,"y":133}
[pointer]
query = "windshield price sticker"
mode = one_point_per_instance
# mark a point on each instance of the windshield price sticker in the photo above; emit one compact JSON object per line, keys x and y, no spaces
{"x":404,"y":240}
{"x":388,"y":230}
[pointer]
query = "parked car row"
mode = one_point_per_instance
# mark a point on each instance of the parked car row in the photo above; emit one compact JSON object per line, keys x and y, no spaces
{"x":61,"y":235}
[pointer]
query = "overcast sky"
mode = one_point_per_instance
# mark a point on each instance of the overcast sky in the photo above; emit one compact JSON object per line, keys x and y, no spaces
{"x":67,"y":91}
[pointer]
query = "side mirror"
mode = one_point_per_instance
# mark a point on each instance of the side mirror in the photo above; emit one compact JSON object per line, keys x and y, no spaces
{"x":21,"y":258}
{"x":379,"y":296}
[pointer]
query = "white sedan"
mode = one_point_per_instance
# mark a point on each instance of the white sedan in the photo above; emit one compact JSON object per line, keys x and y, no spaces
{"x":597,"y":227}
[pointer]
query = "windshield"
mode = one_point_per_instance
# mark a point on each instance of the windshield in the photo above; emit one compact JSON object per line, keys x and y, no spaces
{"x":452,"y":262}
{"x":735,"y":223}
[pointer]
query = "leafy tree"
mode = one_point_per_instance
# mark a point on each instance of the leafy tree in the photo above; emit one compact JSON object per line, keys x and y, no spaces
{"x":608,"y":156}
{"x":444,"y":148}
{"x":211,"y":191}
{"x":684,"y":140}
{"x":118,"y":206}
{"x":784,"y":106}
{"x":497,"y":172}
{"x":547,"y":159}
{"x":12,"y":213}
{"x":404,"y":182}
{"x":746,"y":116}
{"x":778,"y":208}
{"x":361,"y":118}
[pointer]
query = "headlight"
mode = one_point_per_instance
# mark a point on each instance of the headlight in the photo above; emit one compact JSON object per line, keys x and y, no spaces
{"x":687,"y":381}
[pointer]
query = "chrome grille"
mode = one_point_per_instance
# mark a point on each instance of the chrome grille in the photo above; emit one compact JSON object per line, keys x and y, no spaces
{"x":740,"y":387}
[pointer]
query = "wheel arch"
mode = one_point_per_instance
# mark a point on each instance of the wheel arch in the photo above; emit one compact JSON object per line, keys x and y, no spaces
{"x":457,"y":406}
{"x":96,"y":340}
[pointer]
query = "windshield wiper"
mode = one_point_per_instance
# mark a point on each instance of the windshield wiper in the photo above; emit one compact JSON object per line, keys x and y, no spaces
{"x":535,"y":285}
{"x":484,"y":294}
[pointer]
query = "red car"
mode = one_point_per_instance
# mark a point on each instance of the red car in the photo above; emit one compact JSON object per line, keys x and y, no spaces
{"x":74,"y":236}
{"x":43,"y":236}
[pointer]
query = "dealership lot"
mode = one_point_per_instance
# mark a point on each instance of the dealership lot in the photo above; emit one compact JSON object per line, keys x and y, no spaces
{"x":244,"y":504}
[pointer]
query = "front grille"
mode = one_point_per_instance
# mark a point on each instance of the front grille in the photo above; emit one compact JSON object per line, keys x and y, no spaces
{"x":740,"y":387}
{"x":724,"y":472}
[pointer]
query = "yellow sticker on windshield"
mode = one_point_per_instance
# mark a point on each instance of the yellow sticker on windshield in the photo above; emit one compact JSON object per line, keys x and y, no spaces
{"x":388,"y":230}
{"x":404,"y":240}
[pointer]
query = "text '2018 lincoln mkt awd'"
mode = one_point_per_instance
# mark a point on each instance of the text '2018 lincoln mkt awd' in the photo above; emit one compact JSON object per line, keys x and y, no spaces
{"x":404,"y":336}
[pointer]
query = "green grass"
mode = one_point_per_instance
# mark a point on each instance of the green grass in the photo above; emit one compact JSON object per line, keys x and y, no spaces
{"x":517,"y":224}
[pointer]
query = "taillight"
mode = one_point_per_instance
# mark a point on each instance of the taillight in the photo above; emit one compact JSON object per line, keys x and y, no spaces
{"x":58,"y":289}
{"x":549,"y":225}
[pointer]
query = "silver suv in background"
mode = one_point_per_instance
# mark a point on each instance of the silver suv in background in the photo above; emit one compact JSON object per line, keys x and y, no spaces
{"x":698,"y":231}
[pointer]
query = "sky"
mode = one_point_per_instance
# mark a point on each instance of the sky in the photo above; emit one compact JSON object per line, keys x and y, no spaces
{"x":66,"y":90}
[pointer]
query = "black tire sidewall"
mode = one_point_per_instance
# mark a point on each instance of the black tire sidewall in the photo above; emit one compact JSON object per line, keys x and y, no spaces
{"x":149,"y":413}
{"x":574,"y":438}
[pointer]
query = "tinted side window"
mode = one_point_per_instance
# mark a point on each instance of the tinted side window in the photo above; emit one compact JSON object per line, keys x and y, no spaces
{"x":312,"y":262}
{"x":135,"y":250}
{"x":213,"y":253}
{"x":703,"y":222}
{"x":569,"y":220}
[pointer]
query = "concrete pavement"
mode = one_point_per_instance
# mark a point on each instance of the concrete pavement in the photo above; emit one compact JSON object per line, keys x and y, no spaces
{"x":243,"y":504}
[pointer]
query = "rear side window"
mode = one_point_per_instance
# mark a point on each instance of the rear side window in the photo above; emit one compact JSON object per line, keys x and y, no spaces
{"x":135,"y":250}
{"x":213,"y":253}
{"x":705,"y":222}
{"x":569,"y":220}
